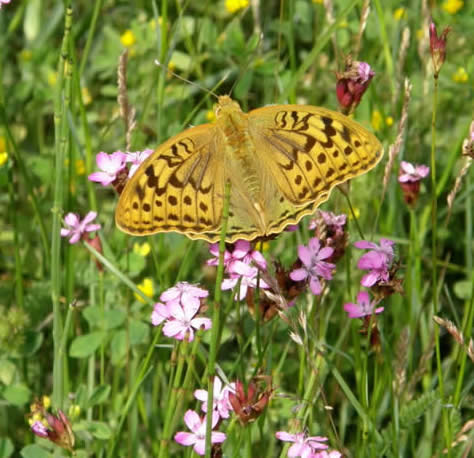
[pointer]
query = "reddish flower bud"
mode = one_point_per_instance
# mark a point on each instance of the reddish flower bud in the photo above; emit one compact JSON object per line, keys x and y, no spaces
{"x":59,"y":430}
{"x":352,"y":83}
{"x":248,"y":406}
{"x":438,"y":47}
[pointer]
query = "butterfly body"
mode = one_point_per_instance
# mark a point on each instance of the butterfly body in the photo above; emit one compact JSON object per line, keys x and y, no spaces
{"x":281,"y":161}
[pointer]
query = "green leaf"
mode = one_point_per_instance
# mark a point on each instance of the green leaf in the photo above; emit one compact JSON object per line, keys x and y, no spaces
{"x":7,"y":372}
{"x":34,"y":451}
{"x":98,"y":429}
{"x":104,"y":319}
{"x":86,"y":345}
{"x":32,"y":22}
{"x":139,"y":332}
{"x":99,"y":395}
{"x":463,"y":289}
{"x":18,"y":394}
{"x":6,"y":447}
{"x":118,"y":347}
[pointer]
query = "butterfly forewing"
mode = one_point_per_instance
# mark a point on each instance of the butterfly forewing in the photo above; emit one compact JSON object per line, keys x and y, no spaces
{"x":178,"y":188}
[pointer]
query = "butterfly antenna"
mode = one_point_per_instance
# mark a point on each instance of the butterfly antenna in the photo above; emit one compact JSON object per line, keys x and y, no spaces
{"x":182,"y":78}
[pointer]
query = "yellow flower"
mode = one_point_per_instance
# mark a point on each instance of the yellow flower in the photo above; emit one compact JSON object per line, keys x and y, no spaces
{"x":127,"y":38}
{"x":171,"y":67}
{"x":399,"y":13}
{"x":3,"y":158}
{"x":153,"y":23}
{"x":377,"y":120}
{"x":452,"y":6}
{"x":80,"y":167}
{"x":460,"y":76}
{"x":233,"y":6}
{"x":86,"y":96}
{"x":46,"y":402}
{"x":142,"y":249}
{"x":389,"y":121}
{"x":26,"y":55}
{"x":318,"y":1}
{"x":211,"y":116}
{"x":3,"y":151}
{"x":146,"y":287}
{"x":356,"y":213}
{"x":52,"y":78}
{"x":74,"y":411}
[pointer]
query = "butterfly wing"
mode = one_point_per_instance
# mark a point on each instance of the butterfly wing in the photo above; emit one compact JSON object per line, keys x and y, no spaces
{"x":178,"y":188}
{"x":308,"y":151}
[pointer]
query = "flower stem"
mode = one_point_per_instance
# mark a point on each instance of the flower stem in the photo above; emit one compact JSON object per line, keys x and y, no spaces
{"x":215,"y":331}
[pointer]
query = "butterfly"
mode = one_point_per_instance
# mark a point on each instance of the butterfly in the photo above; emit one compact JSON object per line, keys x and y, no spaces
{"x":282,"y":161}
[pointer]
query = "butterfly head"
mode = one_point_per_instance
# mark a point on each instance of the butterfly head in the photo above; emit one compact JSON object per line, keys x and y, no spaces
{"x":226,"y":106}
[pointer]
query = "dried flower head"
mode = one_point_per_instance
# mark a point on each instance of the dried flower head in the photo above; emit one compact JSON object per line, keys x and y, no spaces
{"x":438,"y":47}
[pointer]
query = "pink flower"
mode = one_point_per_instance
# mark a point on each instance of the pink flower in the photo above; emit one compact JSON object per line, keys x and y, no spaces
{"x":377,"y":261}
{"x":198,"y":436}
{"x":335,"y":222}
{"x":185,"y":293}
{"x":75,"y":228}
{"x":412,"y":173}
{"x":221,"y":403}
{"x":314,"y":265}
{"x":182,"y":322}
{"x":327,"y":454}
{"x":4,"y":2}
{"x":160,"y":313}
{"x":303,"y":446}
{"x":59,"y":430}
{"x":352,"y":83}
{"x":37,"y":427}
{"x":364,"y":306}
{"x":136,"y":159}
{"x":248,"y":277}
{"x":111,"y":165}
{"x":241,"y":252}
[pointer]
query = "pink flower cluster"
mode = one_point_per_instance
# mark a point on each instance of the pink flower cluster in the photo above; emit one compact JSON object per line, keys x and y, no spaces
{"x":378,"y":261}
{"x":307,"y":446}
{"x":197,"y":425}
{"x":241,"y":264}
{"x":178,"y":309}
{"x":314,"y":267}
{"x":112,"y":164}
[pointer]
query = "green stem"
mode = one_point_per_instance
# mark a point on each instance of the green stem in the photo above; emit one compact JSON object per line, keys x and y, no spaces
{"x":60,"y":130}
{"x":215,"y":331}
{"x":90,"y":36}
{"x":434,"y":272}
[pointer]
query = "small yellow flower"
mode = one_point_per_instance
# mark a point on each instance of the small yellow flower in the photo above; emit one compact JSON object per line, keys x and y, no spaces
{"x":146,"y":287}
{"x":153,"y":23}
{"x":399,"y":13}
{"x":3,"y":151}
{"x":452,"y":6}
{"x":460,"y":76}
{"x":377,"y":120}
{"x":127,"y":38}
{"x":233,"y":6}
{"x":142,"y":249}
{"x":356,"y":213}
{"x":171,"y":67}
{"x":318,"y":1}
{"x":211,"y":116}
{"x":74,"y":411}
{"x":46,"y":402}
{"x":80,"y":167}
{"x":26,"y":55}
{"x":52,"y":78}
{"x":3,"y":158}
{"x":389,"y":121}
{"x":86,"y":96}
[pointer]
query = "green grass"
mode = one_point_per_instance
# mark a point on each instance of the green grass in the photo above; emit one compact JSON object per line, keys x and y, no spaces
{"x":79,"y":334}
